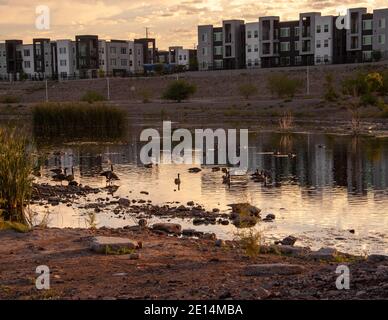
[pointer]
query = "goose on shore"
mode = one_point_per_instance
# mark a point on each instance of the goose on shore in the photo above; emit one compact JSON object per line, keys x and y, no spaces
{"x":110,"y":175}
{"x":70,"y":177}
{"x":178,"y":181}
{"x":60,"y":177}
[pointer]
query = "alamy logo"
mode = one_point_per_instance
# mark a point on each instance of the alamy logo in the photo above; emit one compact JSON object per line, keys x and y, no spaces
{"x":42,"y":21}
{"x":229,"y":151}
{"x":43,"y":280}
{"x":343,"y":19}
{"x":343,"y":280}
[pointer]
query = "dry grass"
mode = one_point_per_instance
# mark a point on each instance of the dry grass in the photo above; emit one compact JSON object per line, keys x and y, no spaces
{"x":286,"y":122}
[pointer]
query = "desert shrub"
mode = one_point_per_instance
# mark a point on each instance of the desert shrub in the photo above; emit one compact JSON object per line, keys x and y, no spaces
{"x":15,"y":176}
{"x":251,"y":242}
{"x":330,"y":92}
{"x":355,"y":86}
{"x":369,"y":99}
{"x":247,"y":90}
{"x":92,"y":96}
{"x":283,"y":86}
{"x":79,"y":120}
{"x":179,"y":90}
{"x":374,"y":80}
{"x":9,"y":99}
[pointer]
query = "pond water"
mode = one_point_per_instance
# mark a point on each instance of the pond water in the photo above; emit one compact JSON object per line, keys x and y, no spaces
{"x":333,"y":184}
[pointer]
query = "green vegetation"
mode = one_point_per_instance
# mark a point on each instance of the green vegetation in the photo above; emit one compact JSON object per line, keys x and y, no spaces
{"x":251,"y":242}
{"x":283,"y":86}
{"x":179,"y":90}
{"x":121,"y":251}
{"x":15,"y":179}
{"x":247,"y":90}
{"x":92,"y":96}
{"x":7,"y":98}
{"x":330,"y":92}
{"x":78,"y":120}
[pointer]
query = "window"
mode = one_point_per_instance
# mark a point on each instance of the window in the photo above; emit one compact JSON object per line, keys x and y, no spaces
{"x":326,"y":58}
{"x":296,"y":31}
{"x":326,"y":28}
{"x":382,"y":23}
{"x":249,"y":62}
{"x":204,"y":51}
{"x":296,"y":45}
{"x":318,"y":28}
{"x":318,"y":59}
{"x":266,"y":48}
{"x":184,"y":57}
{"x":284,"y":46}
{"x":113,"y":62}
{"x":27,"y":64}
{"x":367,"y":24}
{"x":180,"y":57}
{"x":228,"y":51}
{"x":284,"y":32}
{"x":218,"y":36}
{"x":318,"y":43}
{"x":249,"y":34}
{"x":367,"y":40}
{"x":113,"y":50}
{"x":63,"y":63}
{"x":256,"y":62}
{"x":130,"y":51}
{"x":256,"y":48}
{"x":256,"y":35}
{"x":26,"y":53}
{"x":326,"y":43}
{"x":204,"y":37}
{"x":62,"y":50}
{"x":218,"y":50}
{"x":367,"y":55}
{"x":285,"y":61}
{"x":381,"y":39}
{"x":123,"y":50}
{"x":130,"y":63}
{"x":298,"y":60}
{"x":249,"y":48}
{"x":124,"y":62}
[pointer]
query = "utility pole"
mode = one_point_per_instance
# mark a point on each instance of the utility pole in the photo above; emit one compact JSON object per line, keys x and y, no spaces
{"x":108,"y":86}
{"x":147,"y":29}
{"x":47,"y":98}
{"x":308,"y":80}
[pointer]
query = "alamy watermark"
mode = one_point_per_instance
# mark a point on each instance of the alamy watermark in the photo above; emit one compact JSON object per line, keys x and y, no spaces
{"x":343,"y":280}
{"x":42,"y":21}
{"x":221,"y":146}
{"x":43,"y":280}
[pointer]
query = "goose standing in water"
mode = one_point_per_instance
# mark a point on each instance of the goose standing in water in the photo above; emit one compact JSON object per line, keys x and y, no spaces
{"x":70,"y":177}
{"x":226,"y":178}
{"x":178,"y":181}
{"x":59,"y":177}
{"x":110,"y":175}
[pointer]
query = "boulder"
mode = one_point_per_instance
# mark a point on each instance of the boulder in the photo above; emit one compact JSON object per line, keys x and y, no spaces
{"x":287,"y":241}
{"x":377,"y":258}
{"x":124,"y":202}
{"x":192,"y":233}
{"x":173,"y":228}
{"x":324,"y":254}
{"x":244,"y":215}
{"x":292,"y":251}
{"x":273,"y":269}
{"x":112,"y":244}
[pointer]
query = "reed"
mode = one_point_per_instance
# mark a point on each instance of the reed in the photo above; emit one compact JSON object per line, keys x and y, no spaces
{"x":78,"y":120}
{"x":15,"y":176}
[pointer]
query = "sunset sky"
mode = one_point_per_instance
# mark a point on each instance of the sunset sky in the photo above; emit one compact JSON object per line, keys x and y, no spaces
{"x":171,"y":22}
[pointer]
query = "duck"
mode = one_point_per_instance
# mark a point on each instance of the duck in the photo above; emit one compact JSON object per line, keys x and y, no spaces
{"x":110,"y":175}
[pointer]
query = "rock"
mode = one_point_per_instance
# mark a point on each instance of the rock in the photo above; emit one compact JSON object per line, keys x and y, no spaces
{"x":273,"y":269}
{"x":173,"y":228}
{"x":124,"y":202}
{"x":287,"y":241}
{"x":144,"y":192}
{"x":219,"y":243}
{"x":377,"y":258}
{"x":224,"y":222}
{"x":192,"y":233}
{"x":291,"y":250}
{"x":244,"y":208}
{"x":215,"y":210}
{"x":191,"y":203}
{"x":244,"y":215}
{"x":270,"y":217}
{"x":352,"y":231}
{"x":142,"y":223}
{"x":324,"y":254}
{"x":134,"y":256}
{"x":181,"y":208}
{"x":209,"y":236}
{"x":198,"y":221}
{"x":107,"y":244}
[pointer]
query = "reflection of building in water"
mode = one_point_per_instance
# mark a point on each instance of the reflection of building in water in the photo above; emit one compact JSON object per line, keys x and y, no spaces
{"x":356,"y":167}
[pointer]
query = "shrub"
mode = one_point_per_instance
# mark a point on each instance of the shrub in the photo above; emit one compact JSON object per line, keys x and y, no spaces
{"x":179,"y":90}
{"x":9,"y":99}
{"x":330,"y":93}
{"x":78,"y":120}
{"x":283,"y":86}
{"x":369,"y":99}
{"x":15,"y":176}
{"x":92,"y":96}
{"x":374,"y":81}
{"x":247,"y":90}
{"x":251,"y":242}
{"x":286,"y":122}
{"x":355,"y":86}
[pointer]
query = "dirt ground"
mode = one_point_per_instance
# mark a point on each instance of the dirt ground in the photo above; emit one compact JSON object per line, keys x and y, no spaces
{"x":169,"y":268}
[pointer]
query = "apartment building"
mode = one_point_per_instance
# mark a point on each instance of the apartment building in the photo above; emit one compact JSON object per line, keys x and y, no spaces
{"x":185,"y":58}
{"x":233,"y":44}
{"x":252,"y":45}
{"x":323,"y":39}
{"x":354,"y":35}
{"x":380,"y":31}
{"x":149,"y":50}
{"x":11,"y":60}
{"x":87,"y":56}
{"x":66,"y":56}
{"x":28,"y":61}
{"x":269,"y":41}
{"x":289,"y":44}
{"x":45,"y":58}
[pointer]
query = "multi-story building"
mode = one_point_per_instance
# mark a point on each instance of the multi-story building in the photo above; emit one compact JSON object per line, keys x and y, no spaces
{"x":380,"y":32}
{"x":3,"y":62}
{"x":13,"y":59}
{"x":367,"y":37}
{"x":179,"y":56}
{"x":149,"y":50}
{"x":269,"y":41}
{"x":87,"y":56}
{"x":252,"y":45}
{"x":66,"y":56}
{"x":307,"y":37}
{"x":45,"y":58}
{"x":206,"y":46}
{"x":28,"y":61}
{"x":233,"y":44}
{"x":289,"y":44}
{"x":323,"y":51}
{"x":354,"y":35}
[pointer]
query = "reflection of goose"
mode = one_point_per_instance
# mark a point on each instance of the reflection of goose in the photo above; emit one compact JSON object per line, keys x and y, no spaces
{"x":70,"y":177}
{"x":60,"y":176}
{"x":110,"y":175}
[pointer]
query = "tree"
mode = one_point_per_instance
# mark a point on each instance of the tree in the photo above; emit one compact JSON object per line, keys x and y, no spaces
{"x":179,"y":90}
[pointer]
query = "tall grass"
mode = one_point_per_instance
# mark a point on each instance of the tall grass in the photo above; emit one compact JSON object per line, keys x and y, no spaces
{"x":286,"y":122}
{"x":15,"y":176}
{"x":78,"y":120}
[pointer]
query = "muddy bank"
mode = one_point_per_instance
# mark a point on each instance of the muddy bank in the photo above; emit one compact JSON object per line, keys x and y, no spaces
{"x":168,"y":267}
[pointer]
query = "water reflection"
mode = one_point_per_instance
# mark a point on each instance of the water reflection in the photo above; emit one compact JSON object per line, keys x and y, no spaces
{"x":326,"y":184}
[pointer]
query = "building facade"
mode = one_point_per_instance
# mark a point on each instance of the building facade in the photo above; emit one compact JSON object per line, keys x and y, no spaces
{"x":252,"y":45}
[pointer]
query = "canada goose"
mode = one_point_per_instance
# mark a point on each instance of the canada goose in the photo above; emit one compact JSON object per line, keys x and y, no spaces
{"x":148,"y":166}
{"x":60,"y":176}
{"x":195,"y":170}
{"x":56,"y":171}
{"x":110,"y":175}
{"x":70,"y":177}
{"x":226,"y":178}
{"x":178,"y":180}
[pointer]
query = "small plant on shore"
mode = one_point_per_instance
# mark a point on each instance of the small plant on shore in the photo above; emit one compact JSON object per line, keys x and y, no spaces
{"x":179,"y":90}
{"x":16,"y":166}
{"x":9,"y":99}
{"x":283,"y":86}
{"x":330,"y":92}
{"x":247,"y":90}
{"x":92,"y":96}
{"x":78,"y":120}
{"x":286,"y":122}
{"x":250,"y":241}
{"x":91,"y":221}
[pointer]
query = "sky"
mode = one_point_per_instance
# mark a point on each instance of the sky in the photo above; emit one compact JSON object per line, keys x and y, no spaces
{"x":171,"y":22}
